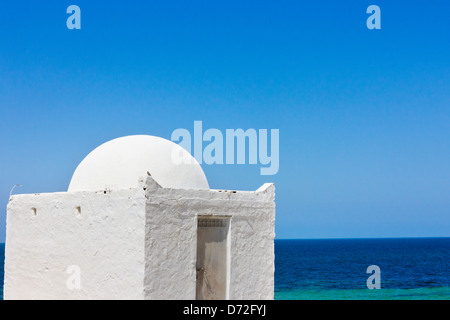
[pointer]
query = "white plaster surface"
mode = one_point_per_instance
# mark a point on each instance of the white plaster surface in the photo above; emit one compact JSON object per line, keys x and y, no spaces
{"x":118,"y":164}
{"x":105,"y":239}
{"x":135,"y":244}
{"x":171,"y":230}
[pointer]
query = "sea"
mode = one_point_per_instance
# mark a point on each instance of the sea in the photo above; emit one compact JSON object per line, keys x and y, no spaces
{"x":337,"y":269}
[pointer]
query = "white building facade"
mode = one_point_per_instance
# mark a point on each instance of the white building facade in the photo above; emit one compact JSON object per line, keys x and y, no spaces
{"x":142,"y":242}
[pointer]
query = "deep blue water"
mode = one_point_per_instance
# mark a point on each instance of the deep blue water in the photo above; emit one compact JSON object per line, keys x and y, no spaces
{"x":416,"y":268}
{"x":411,"y":268}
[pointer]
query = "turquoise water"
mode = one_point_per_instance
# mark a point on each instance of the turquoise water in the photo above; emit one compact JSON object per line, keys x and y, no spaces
{"x":438,"y":293}
{"x":411,"y":269}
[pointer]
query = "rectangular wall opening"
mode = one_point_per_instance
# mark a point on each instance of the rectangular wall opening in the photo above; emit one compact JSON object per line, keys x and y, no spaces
{"x":212,"y":258}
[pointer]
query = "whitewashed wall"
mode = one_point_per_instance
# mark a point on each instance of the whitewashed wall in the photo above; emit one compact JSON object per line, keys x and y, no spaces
{"x":134,"y":244}
{"x":106,"y":241}
{"x":171,"y":230}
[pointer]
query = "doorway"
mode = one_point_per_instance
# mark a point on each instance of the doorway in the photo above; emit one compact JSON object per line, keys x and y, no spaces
{"x":212,"y":258}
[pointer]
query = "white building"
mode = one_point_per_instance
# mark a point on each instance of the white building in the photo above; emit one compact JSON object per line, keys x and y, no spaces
{"x":136,"y":224}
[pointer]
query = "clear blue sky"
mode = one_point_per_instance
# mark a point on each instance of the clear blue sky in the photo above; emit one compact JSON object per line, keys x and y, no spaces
{"x":364,"y":115}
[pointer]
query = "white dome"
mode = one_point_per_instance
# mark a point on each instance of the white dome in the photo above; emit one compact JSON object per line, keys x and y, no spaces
{"x":119,"y":163}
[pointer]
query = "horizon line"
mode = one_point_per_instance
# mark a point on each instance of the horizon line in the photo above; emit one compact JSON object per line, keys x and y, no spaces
{"x":386,"y":238}
{"x":364,"y":238}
